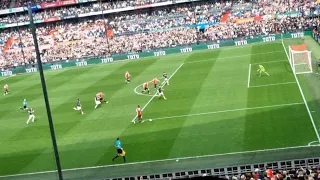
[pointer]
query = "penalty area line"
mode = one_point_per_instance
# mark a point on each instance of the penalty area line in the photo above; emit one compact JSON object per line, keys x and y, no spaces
{"x":226,"y":111}
{"x":156,"y":93}
{"x":273,"y":84}
{"x":266,"y":62}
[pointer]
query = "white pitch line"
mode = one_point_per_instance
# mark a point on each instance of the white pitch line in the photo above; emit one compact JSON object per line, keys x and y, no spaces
{"x":230,"y":57}
{"x":156,"y":93}
{"x":273,"y":84}
{"x":225,"y":111}
{"x":249,"y":75}
{"x":266,"y":62}
{"x":304,"y":99}
{"x":135,"y":90}
{"x":310,"y":144}
{"x":304,"y":73}
{"x":162,"y":160}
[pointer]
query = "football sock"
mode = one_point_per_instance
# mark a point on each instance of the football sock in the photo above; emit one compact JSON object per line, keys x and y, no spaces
{"x":115,"y":158}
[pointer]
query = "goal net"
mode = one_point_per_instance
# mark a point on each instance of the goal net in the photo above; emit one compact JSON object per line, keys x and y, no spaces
{"x":300,"y":59}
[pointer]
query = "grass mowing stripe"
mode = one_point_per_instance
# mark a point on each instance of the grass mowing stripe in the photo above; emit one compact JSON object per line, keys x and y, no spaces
{"x":156,"y":93}
{"x":272,"y":84}
{"x":230,"y":57}
{"x":249,"y":75}
{"x":304,"y":99}
{"x":162,"y":160}
{"x":225,"y":111}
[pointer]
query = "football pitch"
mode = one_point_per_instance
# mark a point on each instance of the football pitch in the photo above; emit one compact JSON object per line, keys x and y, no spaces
{"x":216,"y":104}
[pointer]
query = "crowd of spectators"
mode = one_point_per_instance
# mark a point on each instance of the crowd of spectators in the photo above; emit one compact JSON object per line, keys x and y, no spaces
{"x":158,"y":28}
{"x":310,"y":173}
{"x":259,"y":28}
{"x":5,"y":4}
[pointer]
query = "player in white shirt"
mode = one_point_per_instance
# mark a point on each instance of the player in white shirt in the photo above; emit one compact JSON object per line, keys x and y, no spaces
{"x":31,"y":115}
{"x":97,"y":101}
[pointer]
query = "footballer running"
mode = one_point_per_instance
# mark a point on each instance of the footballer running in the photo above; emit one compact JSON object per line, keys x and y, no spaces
{"x":6,"y":89}
{"x":139,"y":114}
{"x":146,"y":87}
{"x":127,"y":76}
{"x":25,"y":104}
{"x":100,"y":95}
{"x":97,"y":101}
{"x":154,"y":82}
{"x":79,"y":107}
{"x":31,"y":115}
{"x":160,"y":93}
{"x":165,"y":77}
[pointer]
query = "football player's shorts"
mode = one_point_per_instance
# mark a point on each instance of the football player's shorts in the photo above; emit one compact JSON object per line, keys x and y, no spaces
{"x":78,"y":108}
{"x":98,"y":102}
{"x":25,"y":107}
{"x":121,"y":152}
{"x":160,"y":94}
{"x":146,"y":88}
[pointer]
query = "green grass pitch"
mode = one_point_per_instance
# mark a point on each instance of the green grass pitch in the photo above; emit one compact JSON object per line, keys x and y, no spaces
{"x":209,"y":110}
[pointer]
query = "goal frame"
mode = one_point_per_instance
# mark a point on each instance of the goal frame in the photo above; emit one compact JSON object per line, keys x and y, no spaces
{"x":308,"y":60}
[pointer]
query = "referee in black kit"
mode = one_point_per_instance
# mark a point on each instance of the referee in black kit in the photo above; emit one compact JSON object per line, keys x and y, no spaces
{"x":120,"y":150}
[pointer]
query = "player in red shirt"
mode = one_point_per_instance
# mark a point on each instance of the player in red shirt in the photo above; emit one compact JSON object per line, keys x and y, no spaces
{"x":139,"y":113}
{"x":146,"y":87}
{"x":6,"y":89}
{"x":127,"y":76}
{"x":154,"y":82}
{"x":100,"y":95}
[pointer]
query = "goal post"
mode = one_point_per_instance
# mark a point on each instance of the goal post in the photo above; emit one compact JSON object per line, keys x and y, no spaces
{"x":300,"y":59}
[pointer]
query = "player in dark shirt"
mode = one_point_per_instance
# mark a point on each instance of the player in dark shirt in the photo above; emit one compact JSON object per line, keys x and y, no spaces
{"x":160,"y":93}
{"x":79,"y":107}
{"x":165,"y":77}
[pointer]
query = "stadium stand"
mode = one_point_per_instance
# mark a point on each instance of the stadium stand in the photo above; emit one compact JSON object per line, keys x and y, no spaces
{"x":4,"y":4}
{"x":143,"y":30}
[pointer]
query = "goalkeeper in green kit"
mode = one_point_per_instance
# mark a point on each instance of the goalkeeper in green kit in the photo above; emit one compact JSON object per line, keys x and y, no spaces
{"x":262,"y":70}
